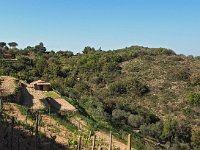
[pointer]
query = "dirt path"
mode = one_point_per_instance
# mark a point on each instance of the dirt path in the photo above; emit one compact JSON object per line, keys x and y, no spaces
{"x":7,"y":84}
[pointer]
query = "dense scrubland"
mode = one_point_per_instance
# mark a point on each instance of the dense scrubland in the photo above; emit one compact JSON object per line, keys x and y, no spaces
{"x":151,"y":90}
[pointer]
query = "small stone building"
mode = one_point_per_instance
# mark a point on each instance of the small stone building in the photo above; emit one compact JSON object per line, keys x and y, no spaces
{"x":7,"y":55}
{"x":40,"y":85}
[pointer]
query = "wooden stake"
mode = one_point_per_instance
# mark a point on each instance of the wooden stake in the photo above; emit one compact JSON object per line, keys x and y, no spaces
{"x":27,"y":111}
{"x":49,"y":110}
{"x":1,"y":105}
{"x":90,"y":134}
{"x":79,"y":143}
{"x":36,"y":130}
{"x":129,"y":142}
{"x":79,"y":126}
{"x":110,"y":142}
{"x":12,"y":127}
{"x":100,"y":148}
{"x":52,"y":142}
{"x":18,"y":143}
{"x":93,"y":143}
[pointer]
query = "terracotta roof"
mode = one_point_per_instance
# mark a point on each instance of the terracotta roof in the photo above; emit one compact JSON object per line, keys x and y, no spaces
{"x":40,"y":82}
{"x":43,"y":84}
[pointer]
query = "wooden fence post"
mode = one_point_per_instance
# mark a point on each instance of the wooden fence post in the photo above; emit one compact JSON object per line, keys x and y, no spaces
{"x":93,"y":143}
{"x":79,"y":126}
{"x":49,"y":110}
{"x":129,"y":142}
{"x":36,"y":130}
{"x":100,"y":148}
{"x":79,"y":143}
{"x":90,"y":134}
{"x":52,"y":142}
{"x":1,"y":105}
{"x":110,"y":142}
{"x":18,"y":142}
{"x":11,"y":138}
{"x":27,"y":111}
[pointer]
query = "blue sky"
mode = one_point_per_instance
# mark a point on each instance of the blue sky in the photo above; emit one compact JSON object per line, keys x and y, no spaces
{"x":109,"y":24}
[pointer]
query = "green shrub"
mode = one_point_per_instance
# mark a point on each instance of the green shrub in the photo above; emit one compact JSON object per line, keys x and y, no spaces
{"x":119,"y":117}
{"x":169,"y":130}
{"x":175,"y":58}
{"x":197,"y":57}
{"x":183,"y":132}
{"x":136,"y":120}
{"x":82,"y":87}
{"x":97,"y":80}
{"x":71,"y":92}
{"x":117,"y":88}
{"x":111,"y":67}
{"x":195,"y":79}
{"x":161,"y":51}
{"x":94,"y":108}
{"x":70,"y":82}
{"x":196,"y":138}
{"x":134,"y":85}
{"x":194,"y":98}
{"x":153,"y":130}
{"x":180,"y":74}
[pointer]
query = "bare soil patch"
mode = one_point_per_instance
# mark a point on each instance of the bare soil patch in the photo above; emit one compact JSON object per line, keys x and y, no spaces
{"x":7,"y":85}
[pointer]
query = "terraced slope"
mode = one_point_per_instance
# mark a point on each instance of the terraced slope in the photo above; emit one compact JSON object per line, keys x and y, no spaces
{"x":62,"y":133}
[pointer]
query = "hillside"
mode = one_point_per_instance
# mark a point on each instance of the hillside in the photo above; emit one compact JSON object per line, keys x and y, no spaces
{"x":151,"y":90}
{"x":58,"y":128}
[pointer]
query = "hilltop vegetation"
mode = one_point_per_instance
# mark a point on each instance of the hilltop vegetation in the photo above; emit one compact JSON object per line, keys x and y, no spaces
{"x":151,"y":89}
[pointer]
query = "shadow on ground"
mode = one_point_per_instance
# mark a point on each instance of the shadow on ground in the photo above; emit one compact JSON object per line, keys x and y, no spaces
{"x":26,"y":98}
{"x":52,"y":104}
{"x":22,"y":139}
